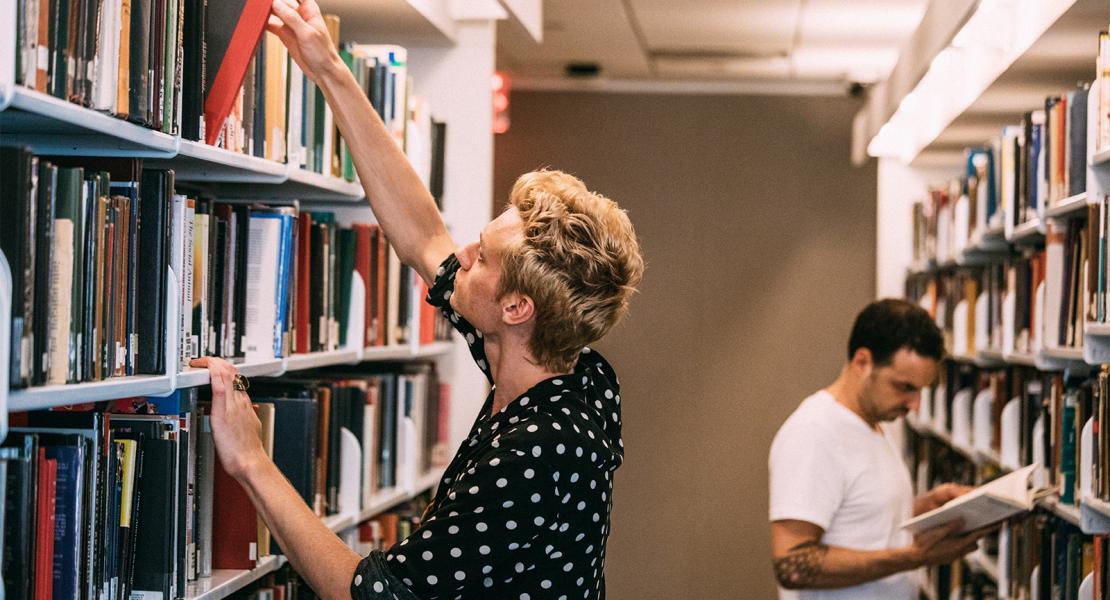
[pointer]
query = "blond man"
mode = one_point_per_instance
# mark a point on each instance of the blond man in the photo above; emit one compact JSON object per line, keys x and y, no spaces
{"x":523,"y":509}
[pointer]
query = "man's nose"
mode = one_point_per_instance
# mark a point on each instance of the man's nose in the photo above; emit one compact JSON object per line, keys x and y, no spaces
{"x":914,"y":401}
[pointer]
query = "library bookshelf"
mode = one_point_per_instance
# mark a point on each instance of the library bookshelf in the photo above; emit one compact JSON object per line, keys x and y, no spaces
{"x":50,"y":126}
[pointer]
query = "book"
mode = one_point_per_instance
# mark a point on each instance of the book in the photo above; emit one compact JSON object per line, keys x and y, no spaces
{"x":984,"y":506}
{"x":232,"y":31}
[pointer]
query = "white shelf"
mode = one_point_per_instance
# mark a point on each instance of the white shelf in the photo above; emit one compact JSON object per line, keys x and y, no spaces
{"x":339,"y":522}
{"x":51,"y":125}
{"x":1066,"y":512}
{"x":963,"y":358}
{"x":197,"y":161}
{"x":307,"y":185}
{"x":922,"y":267}
{"x":993,"y":356}
{"x":982,"y":563}
{"x":1029,"y":232}
{"x":313,"y":360}
{"x":1024,"y":359}
{"x":1098,"y":329}
{"x":412,"y":22}
{"x":37,"y":398}
{"x":43,"y":397}
{"x":1059,"y":359}
{"x":1068,"y":207}
{"x":382,"y":501}
{"x":429,"y":480}
{"x":1073,"y":354}
{"x":225,"y":582}
{"x":1101,"y":160}
{"x":433,"y":349}
{"x":388,"y":498}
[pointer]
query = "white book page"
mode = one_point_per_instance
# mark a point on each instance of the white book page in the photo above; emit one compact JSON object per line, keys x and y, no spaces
{"x":993,"y":502}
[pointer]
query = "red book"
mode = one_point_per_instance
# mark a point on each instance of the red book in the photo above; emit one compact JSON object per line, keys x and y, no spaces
{"x":363,"y":247}
{"x":304,"y":283}
{"x":427,"y":316}
{"x":234,"y":523}
{"x":1098,"y":563}
{"x":232,"y":31}
{"x":44,"y":526}
{"x":378,"y":266}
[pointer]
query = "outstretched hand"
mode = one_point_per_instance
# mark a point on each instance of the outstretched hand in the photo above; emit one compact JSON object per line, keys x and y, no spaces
{"x":235,"y":426}
{"x":302,"y":29}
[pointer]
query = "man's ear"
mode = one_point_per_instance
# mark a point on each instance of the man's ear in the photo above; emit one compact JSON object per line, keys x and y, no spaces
{"x":516,"y":308}
{"x":862,"y":361}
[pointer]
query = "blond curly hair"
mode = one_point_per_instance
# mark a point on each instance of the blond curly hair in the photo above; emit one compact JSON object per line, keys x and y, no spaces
{"x":579,"y":261}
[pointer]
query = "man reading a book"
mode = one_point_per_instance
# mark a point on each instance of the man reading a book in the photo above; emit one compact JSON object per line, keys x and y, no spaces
{"x":840,"y":490}
{"x":523,"y":509}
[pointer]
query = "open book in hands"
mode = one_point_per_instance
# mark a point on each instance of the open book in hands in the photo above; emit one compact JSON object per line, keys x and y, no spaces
{"x":985,"y":505}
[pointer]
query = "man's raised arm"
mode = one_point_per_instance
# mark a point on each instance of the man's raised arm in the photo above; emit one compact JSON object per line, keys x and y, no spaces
{"x":402,"y":205}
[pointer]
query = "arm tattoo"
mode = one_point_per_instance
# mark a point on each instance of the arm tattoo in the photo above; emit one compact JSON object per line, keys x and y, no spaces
{"x":800,"y":568}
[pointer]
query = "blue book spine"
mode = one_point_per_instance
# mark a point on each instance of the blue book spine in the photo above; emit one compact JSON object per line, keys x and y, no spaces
{"x":67,"y":519}
{"x":285,"y":270}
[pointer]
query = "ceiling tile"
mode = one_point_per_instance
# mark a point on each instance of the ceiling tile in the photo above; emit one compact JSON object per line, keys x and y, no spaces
{"x":859,"y":22}
{"x":756,"y":27}
{"x":578,"y":30}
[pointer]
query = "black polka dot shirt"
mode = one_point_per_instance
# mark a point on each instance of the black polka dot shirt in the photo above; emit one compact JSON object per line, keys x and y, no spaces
{"x":523,"y":509}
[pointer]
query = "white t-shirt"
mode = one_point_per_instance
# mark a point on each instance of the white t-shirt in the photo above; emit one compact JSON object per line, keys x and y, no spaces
{"x":829,"y":468}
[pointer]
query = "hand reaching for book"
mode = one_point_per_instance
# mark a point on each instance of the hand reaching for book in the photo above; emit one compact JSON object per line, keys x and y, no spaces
{"x":235,"y":426}
{"x":302,"y":29}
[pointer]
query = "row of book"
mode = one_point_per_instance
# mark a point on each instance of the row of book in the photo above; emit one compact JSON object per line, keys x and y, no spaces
{"x":129,"y":499}
{"x":264,"y":282}
{"x":381,"y":532}
{"x":122,"y":57}
{"x":1023,"y":416}
{"x":1013,"y":180}
{"x":89,"y":253}
{"x":1020,"y":416}
{"x":1028,"y":299}
{"x":167,"y":64}
{"x":87,"y":249}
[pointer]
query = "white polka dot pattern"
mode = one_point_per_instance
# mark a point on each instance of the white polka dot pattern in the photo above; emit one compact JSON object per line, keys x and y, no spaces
{"x":523,"y":509}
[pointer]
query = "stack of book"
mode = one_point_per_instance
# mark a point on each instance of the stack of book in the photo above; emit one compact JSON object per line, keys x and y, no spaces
{"x":88,"y":253}
{"x":187,"y":67}
{"x":129,"y":497}
{"x":93,"y":244}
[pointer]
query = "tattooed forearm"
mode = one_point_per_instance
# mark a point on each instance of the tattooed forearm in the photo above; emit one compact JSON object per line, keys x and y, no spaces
{"x":800,"y":568}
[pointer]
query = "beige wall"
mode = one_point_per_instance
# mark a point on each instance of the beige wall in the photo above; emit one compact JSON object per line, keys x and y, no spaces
{"x":759,"y":238}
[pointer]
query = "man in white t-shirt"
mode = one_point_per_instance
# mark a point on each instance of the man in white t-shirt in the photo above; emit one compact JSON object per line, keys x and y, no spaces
{"x":839,"y":487}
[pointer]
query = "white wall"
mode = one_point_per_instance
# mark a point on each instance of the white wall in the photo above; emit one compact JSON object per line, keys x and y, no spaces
{"x":456,"y":82}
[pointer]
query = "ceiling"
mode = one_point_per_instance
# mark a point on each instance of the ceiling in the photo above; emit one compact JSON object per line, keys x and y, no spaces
{"x":828,"y":44}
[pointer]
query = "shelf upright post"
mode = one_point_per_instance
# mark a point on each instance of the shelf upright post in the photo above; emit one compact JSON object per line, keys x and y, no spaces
{"x":7,"y":52}
{"x":5,"y":340}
